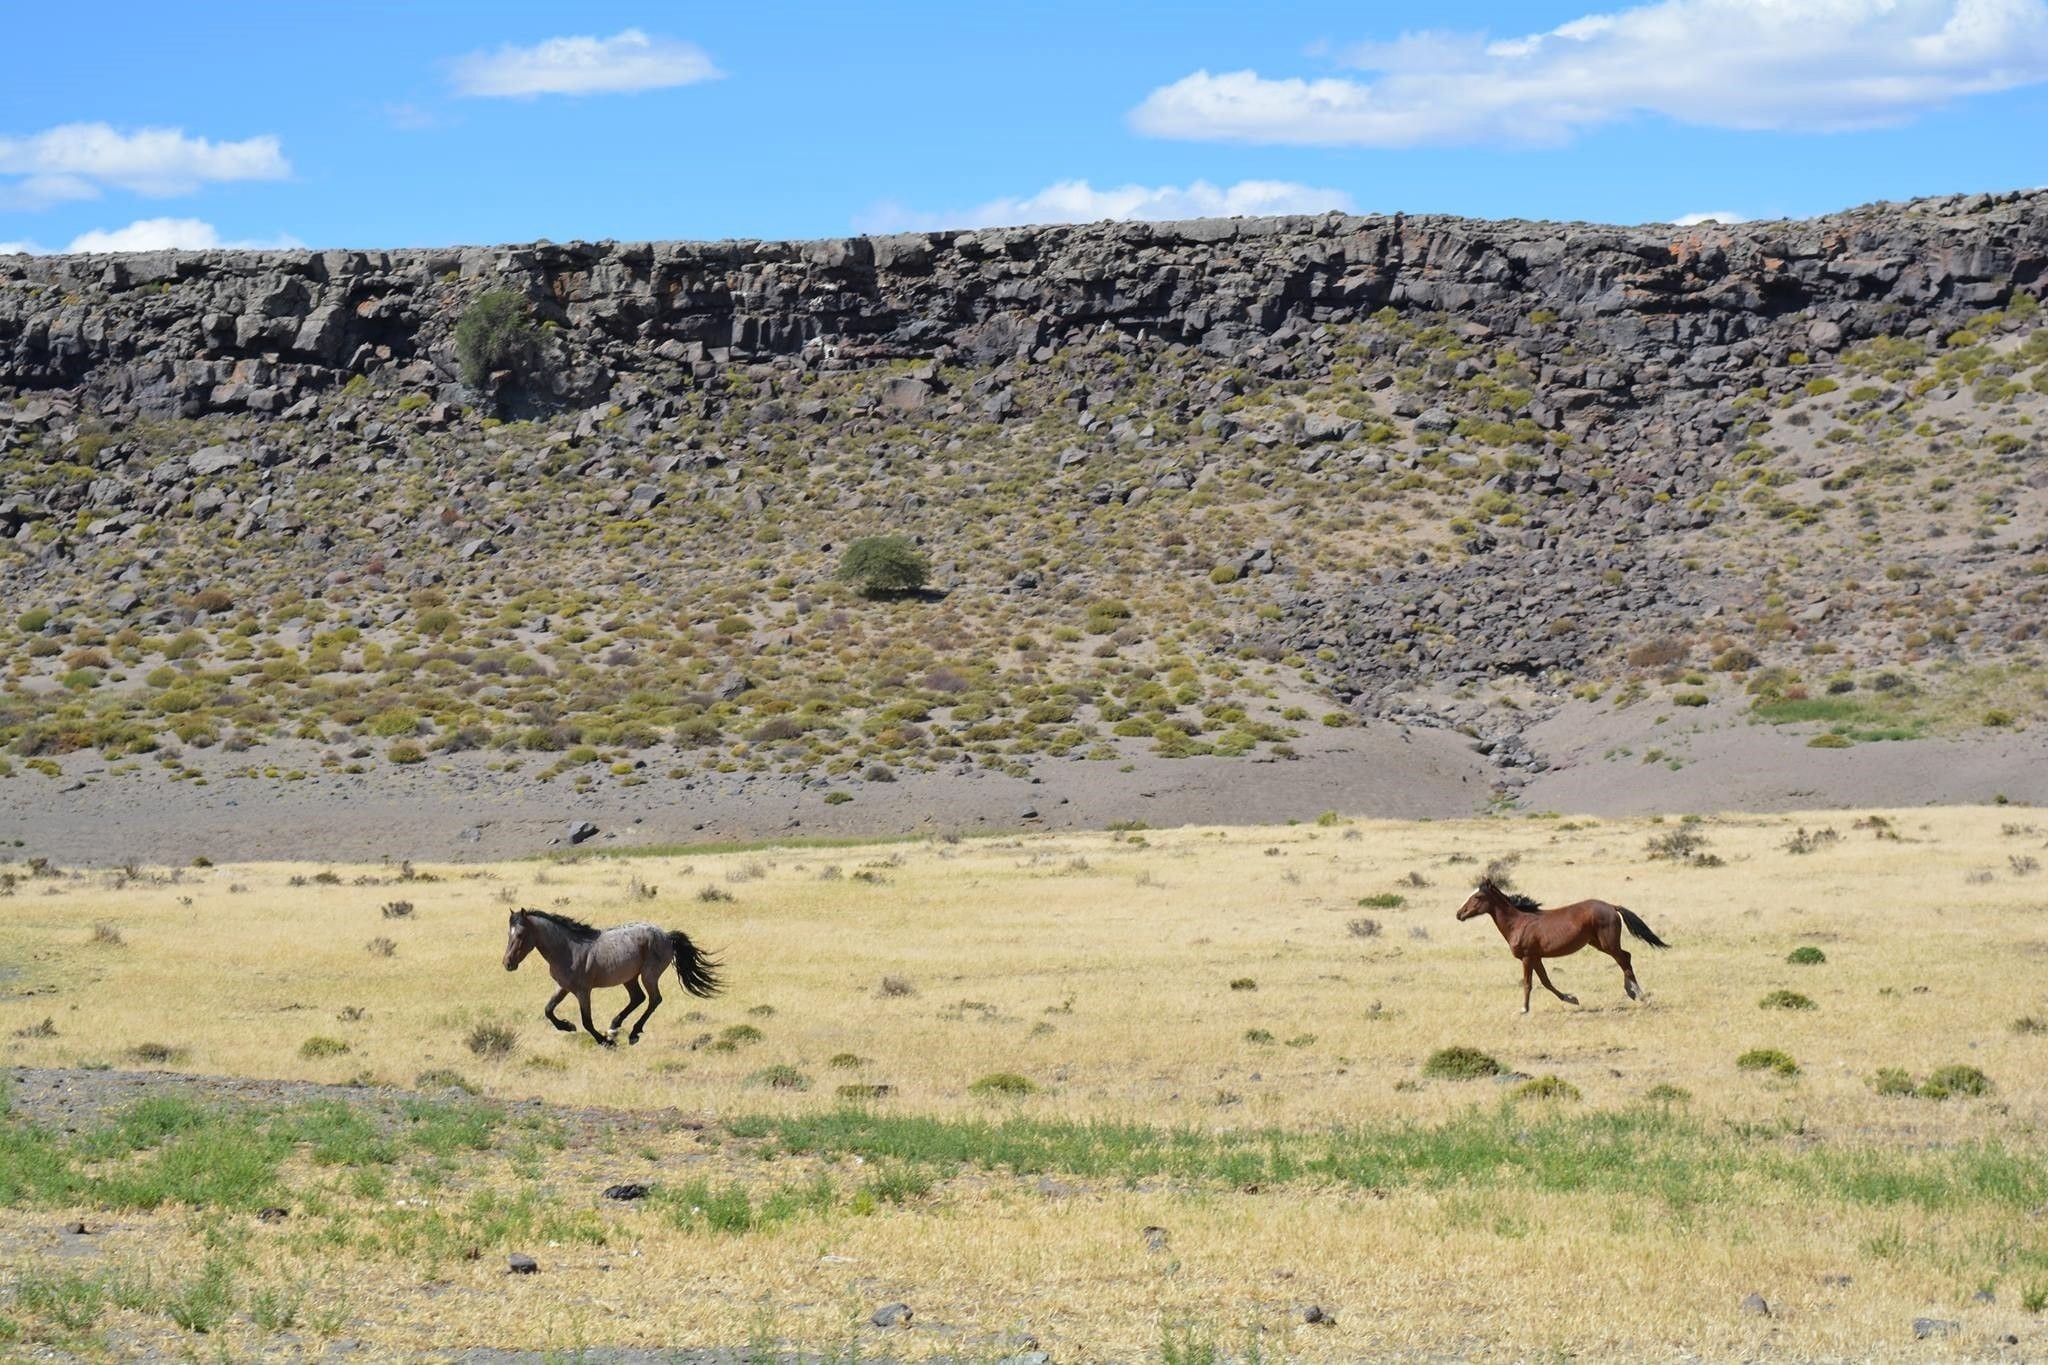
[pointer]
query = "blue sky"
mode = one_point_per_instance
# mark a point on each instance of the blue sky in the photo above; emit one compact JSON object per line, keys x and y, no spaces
{"x":387,"y":124}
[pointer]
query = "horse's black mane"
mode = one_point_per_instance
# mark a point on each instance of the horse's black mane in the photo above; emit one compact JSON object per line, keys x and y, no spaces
{"x":575,"y":928}
{"x":1526,"y":904}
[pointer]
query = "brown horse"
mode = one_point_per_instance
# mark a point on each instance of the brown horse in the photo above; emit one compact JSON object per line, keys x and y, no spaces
{"x":1534,"y":933}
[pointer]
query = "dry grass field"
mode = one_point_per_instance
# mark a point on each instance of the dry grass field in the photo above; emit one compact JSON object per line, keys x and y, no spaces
{"x":1219,"y":1035}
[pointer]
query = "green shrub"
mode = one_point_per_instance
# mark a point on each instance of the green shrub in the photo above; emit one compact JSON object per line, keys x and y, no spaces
{"x":1768,"y":1059}
{"x":492,"y":1040}
{"x":1806,"y":956}
{"x":882,"y":565}
{"x":1690,"y":699}
{"x":1460,"y":1064}
{"x":1892,"y":1080}
{"x":1547,"y":1088}
{"x":1384,"y":900}
{"x":496,"y":333}
{"x":780,"y":1077}
{"x":405,"y":751}
{"x":317,"y":1047}
{"x":1786,"y":1000}
{"x":1955,"y":1080}
{"x":33,"y":620}
{"x":1003,"y":1083}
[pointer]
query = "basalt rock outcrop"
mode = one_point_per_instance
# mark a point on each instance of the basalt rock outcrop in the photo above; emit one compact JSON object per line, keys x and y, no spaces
{"x":1631,"y":313}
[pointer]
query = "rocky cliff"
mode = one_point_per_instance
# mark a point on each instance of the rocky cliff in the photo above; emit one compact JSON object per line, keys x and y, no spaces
{"x":1655,"y":308}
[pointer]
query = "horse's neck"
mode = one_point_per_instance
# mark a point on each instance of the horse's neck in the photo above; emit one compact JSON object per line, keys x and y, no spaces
{"x":1504,"y":918}
{"x":553,"y":942}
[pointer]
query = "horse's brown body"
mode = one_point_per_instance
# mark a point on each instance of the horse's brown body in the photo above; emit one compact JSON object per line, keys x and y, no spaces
{"x":1534,"y":935}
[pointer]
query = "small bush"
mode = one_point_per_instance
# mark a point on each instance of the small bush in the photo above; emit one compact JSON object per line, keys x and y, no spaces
{"x":317,"y":1047}
{"x":492,"y":1040}
{"x":156,"y":1052}
{"x":1768,"y":1059}
{"x":895,"y":987}
{"x":780,"y":1077}
{"x":107,"y":935}
{"x":381,"y":947}
{"x":1955,"y":1080}
{"x":846,"y":1061}
{"x":1460,"y":1064}
{"x":2029,"y":1024}
{"x":740,"y":1033}
{"x":397,"y":909}
{"x":1385,"y":900}
{"x":1786,"y":1000}
{"x":1003,"y":1083}
{"x":1258,"y":1036}
{"x":1547,"y":1088}
{"x":1665,"y":1093}
{"x":495,"y":332}
{"x":1689,"y":699}
{"x":441,"y":1078}
{"x":1892,"y":1080}
{"x":1806,"y":956}
{"x":838,"y":798}
{"x":882,"y":565}
{"x":1244,"y":983}
{"x":714,"y":895}
{"x":1363,"y":927}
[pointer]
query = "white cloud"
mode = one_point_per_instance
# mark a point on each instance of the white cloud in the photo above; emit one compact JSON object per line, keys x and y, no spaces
{"x":628,"y":60}
{"x":1076,"y":201}
{"x":81,"y":160}
{"x":179,"y":234}
{"x":1809,"y":65}
{"x":20,"y":249}
{"x":1710,"y":216}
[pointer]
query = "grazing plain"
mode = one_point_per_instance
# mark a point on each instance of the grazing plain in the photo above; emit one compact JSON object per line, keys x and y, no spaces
{"x":1126,"y":1095}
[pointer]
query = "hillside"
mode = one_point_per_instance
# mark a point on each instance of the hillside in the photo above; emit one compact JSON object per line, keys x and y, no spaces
{"x":1192,"y":492}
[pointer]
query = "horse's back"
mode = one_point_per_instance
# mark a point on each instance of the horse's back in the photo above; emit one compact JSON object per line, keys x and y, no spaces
{"x":624,"y":950}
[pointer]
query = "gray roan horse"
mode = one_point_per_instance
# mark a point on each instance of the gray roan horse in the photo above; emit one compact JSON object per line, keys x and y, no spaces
{"x":581,"y":959}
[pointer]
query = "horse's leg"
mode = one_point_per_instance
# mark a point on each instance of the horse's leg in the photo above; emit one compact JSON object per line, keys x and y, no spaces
{"x":583,"y":1001}
{"x":1527,"y":968}
{"x":1544,"y":976}
{"x":557,"y":998}
{"x":653,"y":979}
{"x":1628,"y":972}
{"x":633,"y":999}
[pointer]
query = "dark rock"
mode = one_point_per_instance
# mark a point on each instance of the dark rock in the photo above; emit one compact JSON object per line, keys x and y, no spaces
{"x":625,"y":1192}
{"x":891,"y":1315}
{"x":1756,"y":1304}
{"x":1316,"y":1315}
{"x":519,"y":1263}
{"x":580,"y":830}
{"x":273,"y":1214}
{"x":1927,"y":1328}
{"x":1155,"y":1238}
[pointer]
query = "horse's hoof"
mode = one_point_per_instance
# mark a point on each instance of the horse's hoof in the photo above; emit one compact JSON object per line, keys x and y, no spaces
{"x":631,"y":1039}
{"x":1569,"y":999}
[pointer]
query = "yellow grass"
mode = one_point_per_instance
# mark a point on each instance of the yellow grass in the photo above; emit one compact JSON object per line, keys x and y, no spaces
{"x":1100,"y":967}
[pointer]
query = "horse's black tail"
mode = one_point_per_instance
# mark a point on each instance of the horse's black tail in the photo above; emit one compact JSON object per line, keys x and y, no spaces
{"x":698,"y":971}
{"x":1639,"y":929}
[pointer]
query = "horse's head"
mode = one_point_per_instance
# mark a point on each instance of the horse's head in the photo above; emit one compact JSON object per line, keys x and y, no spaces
{"x":1481,"y":901}
{"x":518,"y":939}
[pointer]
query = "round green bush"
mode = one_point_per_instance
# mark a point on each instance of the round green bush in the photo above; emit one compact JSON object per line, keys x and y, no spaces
{"x":1806,"y":956}
{"x":1786,"y":1000}
{"x":1003,"y":1083}
{"x":882,"y":565}
{"x":1768,"y":1059}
